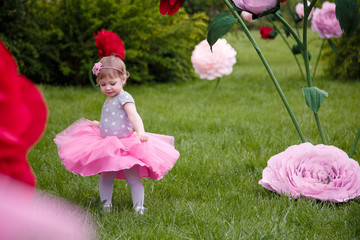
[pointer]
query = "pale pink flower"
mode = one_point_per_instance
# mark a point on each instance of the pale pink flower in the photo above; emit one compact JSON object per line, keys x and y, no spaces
{"x":255,"y":6}
{"x":324,"y":21}
{"x":321,"y":172}
{"x":247,"y":16}
{"x":25,"y":214}
{"x":211,"y":65}
{"x":299,"y":9}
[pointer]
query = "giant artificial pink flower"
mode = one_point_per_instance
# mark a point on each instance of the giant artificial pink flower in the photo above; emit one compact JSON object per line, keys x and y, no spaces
{"x":321,"y":172}
{"x":109,"y":43}
{"x":324,"y":21}
{"x":170,"y":6}
{"x":25,"y":215}
{"x":23,"y":117}
{"x":255,"y":6}
{"x":211,"y":65}
{"x":299,"y":9}
{"x":247,"y":16}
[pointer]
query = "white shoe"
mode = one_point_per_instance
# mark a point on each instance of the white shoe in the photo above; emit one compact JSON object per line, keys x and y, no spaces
{"x":140,"y":210}
{"x":107,"y":207}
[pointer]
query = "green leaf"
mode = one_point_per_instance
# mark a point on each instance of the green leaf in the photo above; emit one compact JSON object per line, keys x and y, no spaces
{"x":347,"y":12}
{"x":221,"y":24}
{"x":314,"y":97}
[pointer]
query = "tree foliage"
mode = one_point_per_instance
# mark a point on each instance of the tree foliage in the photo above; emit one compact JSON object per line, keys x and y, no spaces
{"x":53,"y":40}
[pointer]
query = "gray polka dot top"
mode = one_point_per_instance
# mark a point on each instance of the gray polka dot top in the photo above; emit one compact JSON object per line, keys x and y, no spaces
{"x":114,"y":121}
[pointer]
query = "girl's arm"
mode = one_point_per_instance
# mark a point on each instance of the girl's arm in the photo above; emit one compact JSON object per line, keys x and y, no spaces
{"x":94,"y":123}
{"x":135,"y":120}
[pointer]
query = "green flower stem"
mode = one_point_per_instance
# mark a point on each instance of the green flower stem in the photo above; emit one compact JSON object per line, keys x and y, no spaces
{"x":272,"y":76}
{"x":321,"y":131}
{"x":296,"y":59}
{"x":307,"y":10}
{"x":318,"y":58}
{"x":290,"y":29}
{"x":352,"y":151}
{"x":214,"y":90}
{"x":304,"y":46}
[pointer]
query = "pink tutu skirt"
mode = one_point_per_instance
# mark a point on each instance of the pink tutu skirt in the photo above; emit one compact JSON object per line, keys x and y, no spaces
{"x":84,"y":151}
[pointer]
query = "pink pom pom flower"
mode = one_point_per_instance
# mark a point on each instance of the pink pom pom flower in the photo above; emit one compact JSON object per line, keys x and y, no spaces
{"x":109,"y":43}
{"x":320,"y":172}
{"x":325,"y":23}
{"x":211,"y":65}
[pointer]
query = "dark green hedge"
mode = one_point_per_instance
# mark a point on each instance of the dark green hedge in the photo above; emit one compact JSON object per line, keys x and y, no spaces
{"x":53,"y":41}
{"x":345,"y":62}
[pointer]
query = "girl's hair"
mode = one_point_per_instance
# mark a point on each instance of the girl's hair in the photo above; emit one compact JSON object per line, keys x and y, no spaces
{"x":113,"y":61}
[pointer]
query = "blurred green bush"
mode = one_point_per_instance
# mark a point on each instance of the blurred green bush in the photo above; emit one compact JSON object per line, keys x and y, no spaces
{"x":53,"y":40}
{"x":345,"y":62}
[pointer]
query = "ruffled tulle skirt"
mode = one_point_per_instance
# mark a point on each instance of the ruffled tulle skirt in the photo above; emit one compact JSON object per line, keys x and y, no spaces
{"x":83,"y":151}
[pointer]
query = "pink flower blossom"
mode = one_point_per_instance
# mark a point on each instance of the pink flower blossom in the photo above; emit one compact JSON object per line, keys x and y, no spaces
{"x":23,"y":118}
{"x":96,"y":68}
{"x":170,"y":6}
{"x":247,"y":16}
{"x":25,"y":215}
{"x":299,"y":9}
{"x":211,"y":65}
{"x":109,"y":43}
{"x":321,"y":172}
{"x":255,"y":6}
{"x":324,"y":21}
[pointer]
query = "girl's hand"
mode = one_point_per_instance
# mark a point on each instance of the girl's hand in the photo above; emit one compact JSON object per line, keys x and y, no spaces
{"x":94,"y":123}
{"x":143,"y":137}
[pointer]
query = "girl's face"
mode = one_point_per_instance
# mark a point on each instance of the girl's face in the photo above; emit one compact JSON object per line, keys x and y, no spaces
{"x":111,"y":86}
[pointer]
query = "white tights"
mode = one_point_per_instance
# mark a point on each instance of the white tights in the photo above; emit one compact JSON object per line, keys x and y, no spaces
{"x":133,"y":180}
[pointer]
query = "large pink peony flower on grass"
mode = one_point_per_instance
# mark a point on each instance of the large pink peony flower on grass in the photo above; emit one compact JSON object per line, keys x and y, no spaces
{"x":211,"y":65}
{"x":321,"y":172}
{"x":325,"y":23}
{"x":255,"y":6}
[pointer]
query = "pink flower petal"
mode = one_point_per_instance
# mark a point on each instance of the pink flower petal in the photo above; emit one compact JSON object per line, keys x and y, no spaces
{"x":321,"y":172}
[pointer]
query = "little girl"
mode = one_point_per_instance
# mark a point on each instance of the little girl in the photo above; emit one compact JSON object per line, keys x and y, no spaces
{"x":110,"y":147}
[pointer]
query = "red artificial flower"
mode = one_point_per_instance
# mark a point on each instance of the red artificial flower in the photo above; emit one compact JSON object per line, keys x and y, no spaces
{"x":23,"y":117}
{"x":170,"y":6}
{"x":266,"y":32}
{"x":109,"y":43}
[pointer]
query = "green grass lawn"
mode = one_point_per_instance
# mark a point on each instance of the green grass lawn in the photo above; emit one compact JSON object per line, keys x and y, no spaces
{"x":225,"y":143}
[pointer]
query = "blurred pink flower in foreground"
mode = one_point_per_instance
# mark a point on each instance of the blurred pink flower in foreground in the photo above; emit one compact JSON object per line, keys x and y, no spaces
{"x":27,"y":216}
{"x":247,"y":16}
{"x":211,"y":65}
{"x":299,"y":9}
{"x":255,"y":6}
{"x":324,"y":21}
{"x":321,"y":172}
